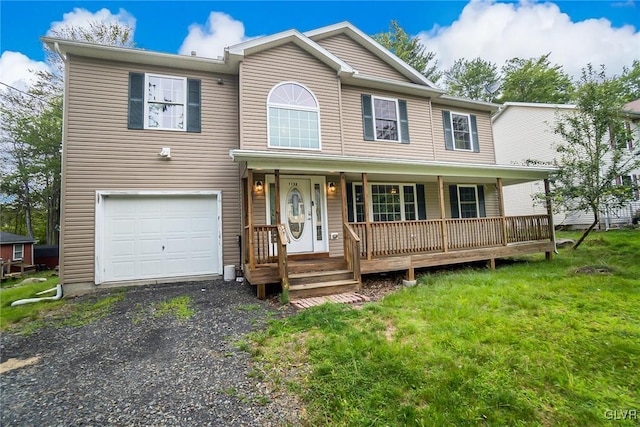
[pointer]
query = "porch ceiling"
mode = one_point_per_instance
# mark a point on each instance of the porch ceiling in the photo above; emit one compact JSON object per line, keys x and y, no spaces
{"x":386,"y":169}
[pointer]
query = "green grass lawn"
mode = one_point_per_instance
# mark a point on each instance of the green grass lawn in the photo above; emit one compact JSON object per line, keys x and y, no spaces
{"x":27,"y":318}
{"x":532,"y":343}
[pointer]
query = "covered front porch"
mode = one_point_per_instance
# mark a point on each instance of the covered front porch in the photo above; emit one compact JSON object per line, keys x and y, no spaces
{"x":370,"y":222}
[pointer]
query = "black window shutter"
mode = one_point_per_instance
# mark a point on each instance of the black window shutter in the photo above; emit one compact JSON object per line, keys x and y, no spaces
{"x":474,"y":135}
{"x":481,"y":205}
{"x":193,"y":105}
{"x":453,"y":196}
{"x":404,"y":121}
{"x":136,"y":101}
{"x":448,"y":133}
{"x":367,"y":118}
{"x":350,"y":202}
{"x":420,"y":198}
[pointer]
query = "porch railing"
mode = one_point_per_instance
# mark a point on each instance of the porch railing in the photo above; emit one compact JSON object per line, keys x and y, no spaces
{"x":352,"y":251}
{"x":527,"y":228}
{"x":471,"y":233}
{"x":265,"y":244}
{"x":404,"y":237}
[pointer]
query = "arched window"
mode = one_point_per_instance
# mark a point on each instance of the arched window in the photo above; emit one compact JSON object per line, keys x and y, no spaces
{"x":294,"y":117}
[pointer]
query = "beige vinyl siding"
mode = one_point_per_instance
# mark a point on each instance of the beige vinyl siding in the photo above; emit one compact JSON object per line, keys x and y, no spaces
{"x":420,"y":146}
{"x":360,"y":58}
{"x":432,"y":200}
{"x":485,"y":136}
{"x":262,"y":71}
{"x":334,"y":217}
{"x":260,"y":201}
{"x":102,"y":154}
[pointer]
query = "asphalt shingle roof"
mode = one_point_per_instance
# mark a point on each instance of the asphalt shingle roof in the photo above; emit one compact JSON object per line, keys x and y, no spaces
{"x":14,"y":238}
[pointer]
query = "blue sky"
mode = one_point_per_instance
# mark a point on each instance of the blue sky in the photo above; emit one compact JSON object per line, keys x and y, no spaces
{"x":576,"y":32}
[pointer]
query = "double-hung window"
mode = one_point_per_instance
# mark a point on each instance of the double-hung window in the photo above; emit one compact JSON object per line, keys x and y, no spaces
{"x":467,"y":201}
{"x":460,"y":131}
{"x":164,"y":102}
{"x":385,"y":119}
{"x":18,"y":251}
{"x":294,"y":117}
{"x":388,"y":202}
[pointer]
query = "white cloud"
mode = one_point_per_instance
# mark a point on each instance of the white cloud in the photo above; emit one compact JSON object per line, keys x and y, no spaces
{"x":500,"y":31}
{"x":18,"y":70}
{"x":209,"y":41}
{"x":81,"y":18}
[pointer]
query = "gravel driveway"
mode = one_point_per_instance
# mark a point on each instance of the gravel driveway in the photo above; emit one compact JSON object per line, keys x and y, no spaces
{"x":133,"y":369}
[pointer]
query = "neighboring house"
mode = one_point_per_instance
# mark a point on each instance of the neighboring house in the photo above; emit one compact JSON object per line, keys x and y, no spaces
{"x":46,"y":256}
{"x":523,"y":131}
{"x":322,"y":146}
{"x":14,"y":247}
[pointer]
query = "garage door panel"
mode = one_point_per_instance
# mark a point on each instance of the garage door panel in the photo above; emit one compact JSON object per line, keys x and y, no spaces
{"x":136,"y":228}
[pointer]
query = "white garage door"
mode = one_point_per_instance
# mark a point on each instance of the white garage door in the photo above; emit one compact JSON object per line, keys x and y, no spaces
{"x":149,"y":237}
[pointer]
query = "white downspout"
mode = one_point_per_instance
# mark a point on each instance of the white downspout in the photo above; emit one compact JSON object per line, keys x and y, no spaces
{"x":58,"y":295}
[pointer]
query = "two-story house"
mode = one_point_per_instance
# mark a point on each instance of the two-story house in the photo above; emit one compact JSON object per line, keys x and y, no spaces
{"x":306,"y":158}
{"x":524,"y":131}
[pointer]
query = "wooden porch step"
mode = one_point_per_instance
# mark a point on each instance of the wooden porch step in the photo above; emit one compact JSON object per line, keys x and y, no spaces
{"x":319,"y":276}
{"x":316,"y":265}
{"x":322,"y":288}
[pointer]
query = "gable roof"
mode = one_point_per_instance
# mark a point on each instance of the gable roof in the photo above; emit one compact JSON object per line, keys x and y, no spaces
{"x":373,"y":46}
{"x":10,"y":238}
{"x":237,"y":52}
{"x":633,"y":106}
{"x":508,"y":105}
{"x":233,"y":55}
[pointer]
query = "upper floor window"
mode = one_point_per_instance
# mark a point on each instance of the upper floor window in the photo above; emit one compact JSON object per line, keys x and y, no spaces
{"x":385,"y":119}
{"x":460,"y":131}
{"x":294,"y":117}
{"x":164,"y":102}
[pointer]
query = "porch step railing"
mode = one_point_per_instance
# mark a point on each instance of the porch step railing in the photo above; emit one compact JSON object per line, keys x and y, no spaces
{"x":262,"y":245}
{"x":352,"y":251}
{"x":406,"y":237}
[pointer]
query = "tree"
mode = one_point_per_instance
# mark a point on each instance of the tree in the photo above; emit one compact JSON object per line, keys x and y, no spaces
{"x":475,"y":79}
{"x":535,"y":80}
{"x":594,"y":153}
{"x":31,"y":136}
{"x":630,"y":80}
{"x":410,"y":50}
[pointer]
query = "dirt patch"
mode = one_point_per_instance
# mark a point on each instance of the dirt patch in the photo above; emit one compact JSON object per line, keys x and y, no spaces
{"x":593,"y":270}
{"x":11,"y":364}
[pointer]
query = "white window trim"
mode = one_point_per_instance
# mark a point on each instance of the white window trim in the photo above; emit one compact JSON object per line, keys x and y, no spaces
{"x":453,"y":134}
{"x":146,"y":101}
{"x":401,"y":186}
{"x":295,"y":108}
{"x":475,"y":188}
{"x":373,"y":114}
{"x":16,"y":245}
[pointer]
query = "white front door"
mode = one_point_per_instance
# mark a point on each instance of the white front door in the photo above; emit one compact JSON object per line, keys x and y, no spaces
{"x":296,"y":208}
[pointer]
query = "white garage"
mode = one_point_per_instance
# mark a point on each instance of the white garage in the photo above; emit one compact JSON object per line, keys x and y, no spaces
{"x":157,"y":235}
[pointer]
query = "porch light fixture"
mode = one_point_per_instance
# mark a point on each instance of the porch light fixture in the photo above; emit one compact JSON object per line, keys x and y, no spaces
{"x":332,"y":187}
{"x":258,"y":187}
